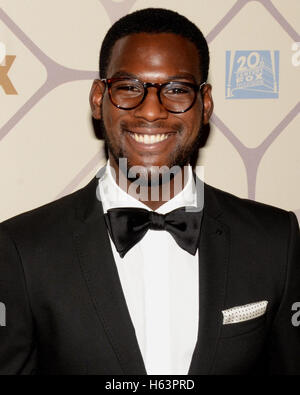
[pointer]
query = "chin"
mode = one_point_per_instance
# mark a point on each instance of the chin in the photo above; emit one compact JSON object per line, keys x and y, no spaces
{"x":150,"y":175}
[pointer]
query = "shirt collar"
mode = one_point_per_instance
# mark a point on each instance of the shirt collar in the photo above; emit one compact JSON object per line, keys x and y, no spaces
{"x":112,"y":196}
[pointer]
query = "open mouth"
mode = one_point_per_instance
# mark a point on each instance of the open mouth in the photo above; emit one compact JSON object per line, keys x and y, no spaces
{"x":149,"y":138}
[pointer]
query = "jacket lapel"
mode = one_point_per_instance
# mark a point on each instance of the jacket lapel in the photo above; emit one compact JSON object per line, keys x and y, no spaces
{"x":102,"y":279}
{"x":213,"y":265}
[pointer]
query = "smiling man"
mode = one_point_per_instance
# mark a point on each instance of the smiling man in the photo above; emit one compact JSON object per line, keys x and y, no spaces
{"x":118,"y":279}
{"x":158,"y":123}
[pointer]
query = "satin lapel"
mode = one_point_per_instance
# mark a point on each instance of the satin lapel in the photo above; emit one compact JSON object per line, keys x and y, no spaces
{"x":102,"y":279}
{"x":213,"y":265}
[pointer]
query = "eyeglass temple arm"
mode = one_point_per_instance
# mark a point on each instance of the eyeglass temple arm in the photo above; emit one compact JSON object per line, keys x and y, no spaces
{"x":203,"y":83}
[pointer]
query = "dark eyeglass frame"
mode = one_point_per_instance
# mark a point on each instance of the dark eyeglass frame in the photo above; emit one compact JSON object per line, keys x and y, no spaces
{"x":109,"y":81}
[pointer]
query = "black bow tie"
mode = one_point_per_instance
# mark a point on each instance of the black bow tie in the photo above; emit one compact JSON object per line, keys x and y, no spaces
{"x":128,"y":225}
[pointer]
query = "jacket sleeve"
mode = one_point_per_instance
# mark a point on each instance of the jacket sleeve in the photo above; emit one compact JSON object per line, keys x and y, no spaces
{"x":17,"y":348}
{"x":284,"y":351}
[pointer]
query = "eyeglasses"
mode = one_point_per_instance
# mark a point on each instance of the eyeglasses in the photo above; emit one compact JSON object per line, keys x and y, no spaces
{"x":176,"y":97}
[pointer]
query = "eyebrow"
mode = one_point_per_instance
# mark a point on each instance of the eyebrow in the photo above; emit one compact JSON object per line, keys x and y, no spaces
{"x":124,"y":74}
{"x":182,"y":76}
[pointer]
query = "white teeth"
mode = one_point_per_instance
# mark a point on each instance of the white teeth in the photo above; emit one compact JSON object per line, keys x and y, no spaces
{"x":152,"y":139}
{"x":148,"y":139}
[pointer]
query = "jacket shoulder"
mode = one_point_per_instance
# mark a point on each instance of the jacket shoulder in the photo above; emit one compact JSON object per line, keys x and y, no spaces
{"x":242,"y":210}
{"x":49,"y":216}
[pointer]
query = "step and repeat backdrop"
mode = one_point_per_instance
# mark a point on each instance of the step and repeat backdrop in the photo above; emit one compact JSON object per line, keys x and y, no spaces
{"x":49,"y":57}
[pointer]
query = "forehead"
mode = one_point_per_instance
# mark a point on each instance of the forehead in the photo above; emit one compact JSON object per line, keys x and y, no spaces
{"x":156,"y":56}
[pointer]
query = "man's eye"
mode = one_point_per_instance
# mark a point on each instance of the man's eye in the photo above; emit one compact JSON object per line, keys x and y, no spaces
{"x":176,"y":91}
{"x":128,"y":88}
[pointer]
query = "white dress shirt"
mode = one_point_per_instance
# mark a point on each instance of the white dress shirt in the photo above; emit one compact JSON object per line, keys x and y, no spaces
{"x":160,"y":284}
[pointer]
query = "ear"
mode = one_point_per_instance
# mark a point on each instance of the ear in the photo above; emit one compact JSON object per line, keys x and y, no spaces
{"x":96,"y":97}
{"x":208,"y":104}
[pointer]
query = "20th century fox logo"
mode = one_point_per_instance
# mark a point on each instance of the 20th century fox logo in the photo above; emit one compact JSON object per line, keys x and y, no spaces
{"x":252,"y":74}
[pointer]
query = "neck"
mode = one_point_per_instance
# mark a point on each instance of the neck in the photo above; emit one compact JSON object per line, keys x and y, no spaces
{"x":153,"y":195}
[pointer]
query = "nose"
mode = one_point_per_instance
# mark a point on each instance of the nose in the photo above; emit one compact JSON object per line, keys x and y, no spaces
{"x":151,"y":109}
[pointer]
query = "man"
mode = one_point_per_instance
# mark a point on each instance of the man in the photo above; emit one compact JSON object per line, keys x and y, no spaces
{"x":113,"y":279}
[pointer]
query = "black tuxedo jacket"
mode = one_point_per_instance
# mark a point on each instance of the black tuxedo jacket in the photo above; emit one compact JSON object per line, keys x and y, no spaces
{"x":66,"y":312}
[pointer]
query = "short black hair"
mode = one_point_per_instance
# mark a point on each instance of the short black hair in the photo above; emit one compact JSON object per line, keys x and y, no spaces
{"x":154,"y":20}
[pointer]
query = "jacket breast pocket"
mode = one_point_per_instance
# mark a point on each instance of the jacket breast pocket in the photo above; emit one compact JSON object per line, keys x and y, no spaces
{"x":241,"y":328}
{"x":241,"y":347}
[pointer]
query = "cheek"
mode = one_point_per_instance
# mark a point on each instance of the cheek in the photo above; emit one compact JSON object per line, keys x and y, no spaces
{"x":196,"y":121}
{"x":110,"y":115}
{"x":192,"y":123}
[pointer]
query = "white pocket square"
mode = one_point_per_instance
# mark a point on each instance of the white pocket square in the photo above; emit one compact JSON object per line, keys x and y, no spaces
{"x":244,"y":313}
